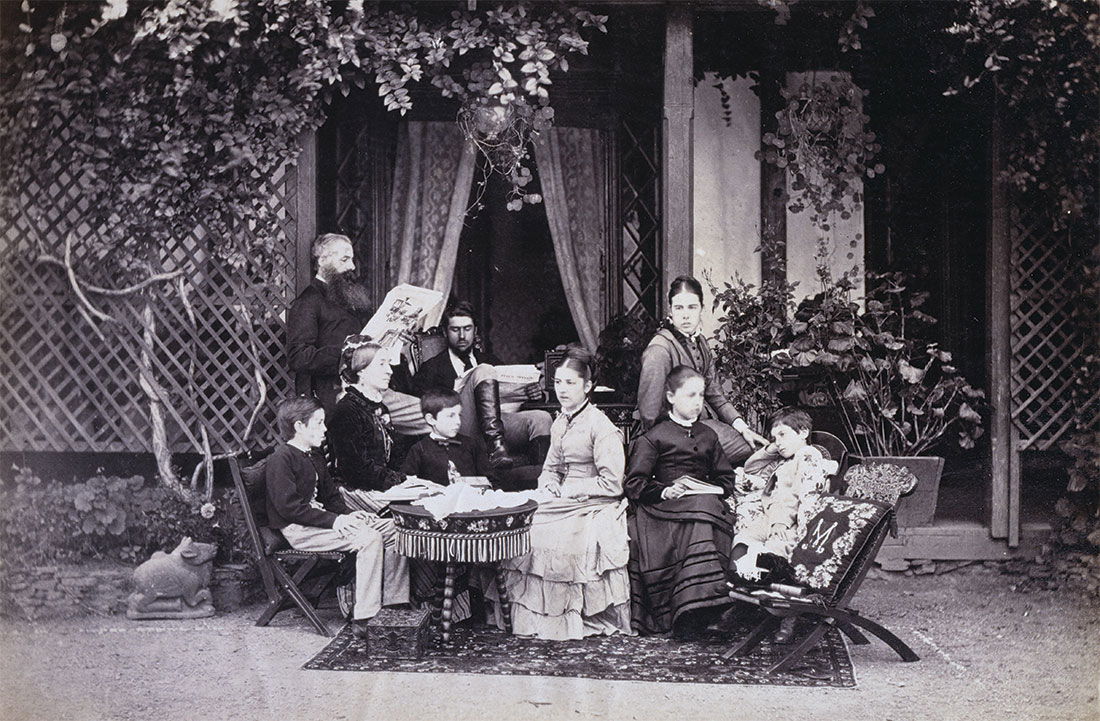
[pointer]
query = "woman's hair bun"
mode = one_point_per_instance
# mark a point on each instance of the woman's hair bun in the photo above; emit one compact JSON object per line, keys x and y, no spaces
{"x":579,"y":359}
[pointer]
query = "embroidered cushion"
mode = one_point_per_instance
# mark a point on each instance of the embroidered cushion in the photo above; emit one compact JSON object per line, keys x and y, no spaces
{"x":835,"y":535}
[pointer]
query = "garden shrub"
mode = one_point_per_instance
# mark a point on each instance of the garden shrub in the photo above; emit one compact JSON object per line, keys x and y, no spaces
{"x":109,"y":517}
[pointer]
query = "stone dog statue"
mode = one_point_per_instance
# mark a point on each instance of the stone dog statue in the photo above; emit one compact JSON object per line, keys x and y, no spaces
{"x":174,"y":585}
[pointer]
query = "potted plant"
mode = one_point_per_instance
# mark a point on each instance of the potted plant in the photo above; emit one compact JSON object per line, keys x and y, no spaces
{"x":897,"y":393}
{"x":619,"y":355}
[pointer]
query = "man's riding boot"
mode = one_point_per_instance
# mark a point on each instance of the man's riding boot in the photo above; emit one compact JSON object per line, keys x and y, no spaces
{"x":538,"y":448}
{"x":487,"y":406}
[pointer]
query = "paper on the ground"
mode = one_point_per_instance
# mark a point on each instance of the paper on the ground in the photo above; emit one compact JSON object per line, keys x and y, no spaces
{"x":405,"y":310}
{"x":694,"y":487}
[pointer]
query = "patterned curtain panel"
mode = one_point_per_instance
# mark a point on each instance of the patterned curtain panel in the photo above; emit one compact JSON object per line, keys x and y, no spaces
{"x":432,"y":178}
{"x":572,"y":167}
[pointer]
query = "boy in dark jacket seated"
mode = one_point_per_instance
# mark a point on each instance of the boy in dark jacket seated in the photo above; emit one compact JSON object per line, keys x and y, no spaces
{"x":303,"y":503}
{"x":444,"y":455}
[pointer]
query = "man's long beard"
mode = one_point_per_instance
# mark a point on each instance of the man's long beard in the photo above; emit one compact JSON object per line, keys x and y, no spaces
{"x":348,"y":292}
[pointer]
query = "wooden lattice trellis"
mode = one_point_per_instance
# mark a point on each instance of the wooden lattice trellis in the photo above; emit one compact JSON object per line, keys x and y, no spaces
{"x":639,"y":187}
{"x":65,"y":388}
{"x":1045,"y":343}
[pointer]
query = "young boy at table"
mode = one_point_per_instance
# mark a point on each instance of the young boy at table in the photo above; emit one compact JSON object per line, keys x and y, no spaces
{"x":305,"y":506}
{"x":444,"y":454}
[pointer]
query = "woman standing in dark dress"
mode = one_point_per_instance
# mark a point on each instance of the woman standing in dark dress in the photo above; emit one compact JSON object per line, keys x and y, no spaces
{"x":359,"y":433}
{"x":679,"y":538}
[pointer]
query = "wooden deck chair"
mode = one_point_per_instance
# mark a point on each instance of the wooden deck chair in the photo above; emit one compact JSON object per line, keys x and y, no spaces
{"x":829,"y":565}
{"x":291,"y":578}
{"x":837,"y":452}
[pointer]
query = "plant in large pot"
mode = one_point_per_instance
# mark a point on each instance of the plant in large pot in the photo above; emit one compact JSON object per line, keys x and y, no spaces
{"x":897,"y":392}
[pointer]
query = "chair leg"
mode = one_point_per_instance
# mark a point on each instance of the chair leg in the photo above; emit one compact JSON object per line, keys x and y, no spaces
{"x":900,"y":647}
{"x":853,"y":634}
{"x":290,"y":586}
{"x":273,"y":607}
{"x":748,"y":643}
{"x":803,"y":646}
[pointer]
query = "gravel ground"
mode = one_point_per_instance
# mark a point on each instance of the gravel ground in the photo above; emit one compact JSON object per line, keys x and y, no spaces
{"x":989,"y":650}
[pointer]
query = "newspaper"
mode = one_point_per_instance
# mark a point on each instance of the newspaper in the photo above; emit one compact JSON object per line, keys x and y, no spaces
{"x":405,"y":310}
{"x":512,"y":379}
{"x":518,"y":374}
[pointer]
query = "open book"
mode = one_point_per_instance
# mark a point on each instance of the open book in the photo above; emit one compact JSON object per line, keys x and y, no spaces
{"x":694,"y":487}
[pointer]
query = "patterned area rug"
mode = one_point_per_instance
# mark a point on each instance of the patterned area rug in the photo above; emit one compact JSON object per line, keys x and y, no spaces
{"x":485,"y":650}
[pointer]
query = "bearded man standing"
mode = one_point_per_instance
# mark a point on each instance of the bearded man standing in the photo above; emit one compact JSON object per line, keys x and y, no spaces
{"x":332,"y":307}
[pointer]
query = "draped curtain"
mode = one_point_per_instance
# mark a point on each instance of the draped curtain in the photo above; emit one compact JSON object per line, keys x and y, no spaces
{"x":432,"y":177}
{"x":573,"y":173}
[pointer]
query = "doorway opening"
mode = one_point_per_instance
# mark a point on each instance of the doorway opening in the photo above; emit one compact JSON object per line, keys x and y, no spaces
{"x":507,"y":269}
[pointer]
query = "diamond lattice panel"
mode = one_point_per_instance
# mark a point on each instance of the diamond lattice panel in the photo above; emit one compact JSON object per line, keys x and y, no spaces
{"x":639,"y":163}
{"x":1045,"y":344}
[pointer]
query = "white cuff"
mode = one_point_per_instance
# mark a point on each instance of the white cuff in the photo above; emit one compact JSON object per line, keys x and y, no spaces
{"x":739,"y":425}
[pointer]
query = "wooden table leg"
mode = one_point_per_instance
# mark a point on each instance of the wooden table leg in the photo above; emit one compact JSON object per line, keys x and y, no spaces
{"x":448,"y":601}
{"x":505,"y":604}
{"x":437,"y":602}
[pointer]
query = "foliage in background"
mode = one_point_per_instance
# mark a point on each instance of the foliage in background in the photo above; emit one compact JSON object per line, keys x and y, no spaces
{"x":178,"y":111}
{"x":619,"y":355}
{"x":753,"y":328}
{"x":898,"y":393}
{"x":109,"y":517}
{"x":1042,"y":59}
{"x":171,"y":117}
{"x":1079,"y":509}
{"x":823,"y":142}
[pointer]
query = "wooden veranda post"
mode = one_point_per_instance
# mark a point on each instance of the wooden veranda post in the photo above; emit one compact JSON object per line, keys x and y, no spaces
{"x":773,"y":179}
{"x":1004,"y":486}
{"x":676,"y":166}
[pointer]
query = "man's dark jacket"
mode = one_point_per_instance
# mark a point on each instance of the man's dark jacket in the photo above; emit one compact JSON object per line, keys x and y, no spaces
{"x":316,"y":327}
{"x":438,"y":372}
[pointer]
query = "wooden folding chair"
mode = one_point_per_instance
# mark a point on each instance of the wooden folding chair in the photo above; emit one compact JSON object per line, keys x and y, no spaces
{"x":837,"y":452}
{"x":830,"y":563}
{"x":285,"y":571}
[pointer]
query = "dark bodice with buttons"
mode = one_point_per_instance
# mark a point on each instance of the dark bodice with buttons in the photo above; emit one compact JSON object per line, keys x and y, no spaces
{"x":668,"y":451}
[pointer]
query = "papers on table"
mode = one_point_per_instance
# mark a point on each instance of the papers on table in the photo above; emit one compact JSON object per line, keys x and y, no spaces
{"x":464,"y":498}
{"x":476,"y":481}
{"x":695,"y":487}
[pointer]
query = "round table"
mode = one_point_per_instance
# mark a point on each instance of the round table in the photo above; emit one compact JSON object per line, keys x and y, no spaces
{"x":475,"y":537}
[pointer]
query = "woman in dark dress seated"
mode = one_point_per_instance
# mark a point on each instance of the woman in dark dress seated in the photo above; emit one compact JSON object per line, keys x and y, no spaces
{"x":681,"y":529}
{"x":359,"y":433}
{"x":361,"y":442}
